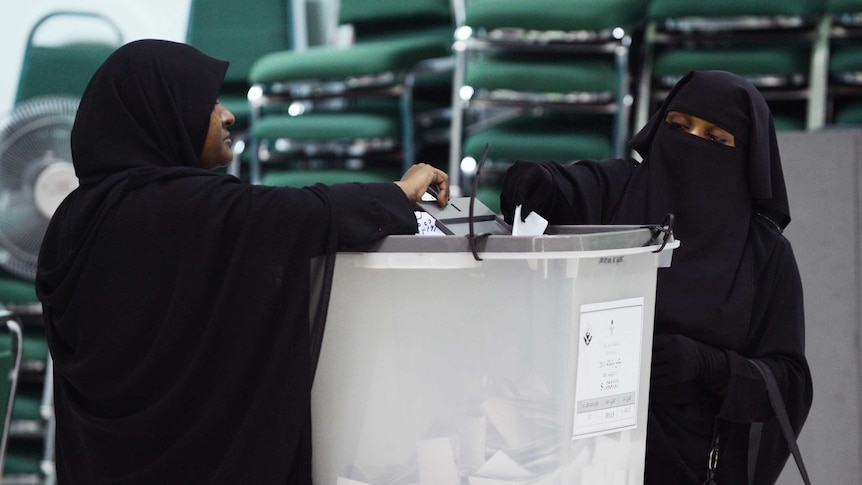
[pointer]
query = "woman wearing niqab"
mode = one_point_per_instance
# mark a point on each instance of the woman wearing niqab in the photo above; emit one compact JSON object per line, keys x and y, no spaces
{"x":177,"y":300}
{"x":733,"y":291}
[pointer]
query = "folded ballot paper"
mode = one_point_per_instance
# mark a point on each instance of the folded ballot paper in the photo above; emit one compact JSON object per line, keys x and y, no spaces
{"x":513,"y":439}
{"x":533,"y":225}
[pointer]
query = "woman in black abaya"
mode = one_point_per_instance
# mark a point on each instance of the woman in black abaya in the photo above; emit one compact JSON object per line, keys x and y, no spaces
{"x":733,"y":292}
{"x":177,"y":300}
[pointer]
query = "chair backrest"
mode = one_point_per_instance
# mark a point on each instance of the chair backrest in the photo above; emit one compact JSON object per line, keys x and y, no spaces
{"x":843,"y":6}
{"x":65,"y":66}
{"x":555,"y":15}
{"x":360,"y":12}
{"x":662,"y":9}
{"x":240,"y":32}
{"x":10,"y":362}
{"x":393,"y":15}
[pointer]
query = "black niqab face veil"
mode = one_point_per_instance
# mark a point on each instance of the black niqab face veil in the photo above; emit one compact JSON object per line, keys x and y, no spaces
{"x":148,"y":105}
{"x":735,"y":105}
{"x":714,"y":191}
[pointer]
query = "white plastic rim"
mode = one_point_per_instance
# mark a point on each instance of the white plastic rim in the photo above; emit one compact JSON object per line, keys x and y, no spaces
{"x":457,"y":260}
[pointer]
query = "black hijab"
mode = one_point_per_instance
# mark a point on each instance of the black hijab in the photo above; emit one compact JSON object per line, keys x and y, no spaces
{"x":151,"y":101}
{"x":144,"y":116}
{"x":714,"y":192}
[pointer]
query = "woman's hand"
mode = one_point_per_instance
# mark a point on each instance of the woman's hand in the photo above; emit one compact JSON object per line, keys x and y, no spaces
{"x":528,"y":184}
{"x":419,"y":178}
{"x":677,"y":359}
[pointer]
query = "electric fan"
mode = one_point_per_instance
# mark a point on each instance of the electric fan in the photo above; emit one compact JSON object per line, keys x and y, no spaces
{"x":36,"y":174}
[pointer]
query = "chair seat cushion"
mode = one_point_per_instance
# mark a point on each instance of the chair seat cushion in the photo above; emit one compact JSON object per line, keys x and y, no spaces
{"x":551,"y":76}
{"x":35,"y":346}
{"x":305,"y":178}
{"x":849,"y":114}
{"x":843,"y":6}
{"x":565,"y":15}
{"x":326,"y":126}
{"x":364,"y":58}
{"x":392,"y":10}
{"x":661,"y":9}
{"x":846,"y":58}
{"x":541,"y":141}
{"x":750,"y":61}
{"x":27,"y":406}
{"x":23,"y":458}
{"x":17,"y":291}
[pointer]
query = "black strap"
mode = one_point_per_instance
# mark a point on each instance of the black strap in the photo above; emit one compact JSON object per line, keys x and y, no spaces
{"x":755,"y":432}
{"x":781,"y":413}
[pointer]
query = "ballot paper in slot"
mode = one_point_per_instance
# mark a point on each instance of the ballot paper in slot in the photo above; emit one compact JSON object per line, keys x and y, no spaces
{"x":454,"y":218}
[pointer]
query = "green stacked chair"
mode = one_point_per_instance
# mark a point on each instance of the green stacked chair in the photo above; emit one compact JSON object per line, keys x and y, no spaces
{"x":65,"y":68}
{"x":241,"y":33}
{"x":547,"y":81}
{"x":845,"y":62}
{"x":28,"y":427}
{"x":353,"y":106}
{"x":11,"y":347}
{"x":777,"y":44}
{"x":64,"y":49}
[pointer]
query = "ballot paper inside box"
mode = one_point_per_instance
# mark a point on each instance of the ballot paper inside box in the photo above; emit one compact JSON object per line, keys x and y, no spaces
{"x":530,"y":366}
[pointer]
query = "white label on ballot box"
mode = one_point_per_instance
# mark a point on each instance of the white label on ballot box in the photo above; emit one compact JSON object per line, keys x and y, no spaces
{"x":609,"y":356}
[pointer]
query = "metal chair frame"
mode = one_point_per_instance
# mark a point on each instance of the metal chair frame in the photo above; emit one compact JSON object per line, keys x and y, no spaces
{"x":305,"y":96}
{"x":17,"y":340}
{"x":470,"y":42}
{"x":840,"y":26}
{"x":687,"y":32}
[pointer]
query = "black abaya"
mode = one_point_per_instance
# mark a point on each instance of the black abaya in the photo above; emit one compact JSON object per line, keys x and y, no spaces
{"x":176,"y":300}
{"x":733,"y":287}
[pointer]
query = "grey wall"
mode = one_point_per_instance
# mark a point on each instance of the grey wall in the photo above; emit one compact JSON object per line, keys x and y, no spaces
{"x":822,"y":171}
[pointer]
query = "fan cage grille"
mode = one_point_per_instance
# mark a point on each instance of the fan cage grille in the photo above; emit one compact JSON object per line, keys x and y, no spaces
{"x":33,"y":137}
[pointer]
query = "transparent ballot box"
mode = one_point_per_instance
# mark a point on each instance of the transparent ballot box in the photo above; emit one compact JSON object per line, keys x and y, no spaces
{"x":527,"y":363}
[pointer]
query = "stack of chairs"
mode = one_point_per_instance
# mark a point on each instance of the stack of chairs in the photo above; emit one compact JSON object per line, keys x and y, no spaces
{"x":348,"y":112}
{"x":539,"y":82}
{"x":29,"y":444}
{"x":845,"y":62}
{"x":776,"y":44}
{"x":64,"y":49}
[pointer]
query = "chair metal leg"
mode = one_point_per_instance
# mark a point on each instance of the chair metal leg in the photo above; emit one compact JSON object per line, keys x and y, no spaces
{"x":819,"y":76}
{"x":623,"y":101}
{"x":644,"y":93}
{"x":17,"y":344}
{"x":456,"y":137}
{"x":235,"y":167}
{"x":256,"y":101}
{"x":47,"y":411}
{"x":254,"y":162}
{"x":408,"y":141}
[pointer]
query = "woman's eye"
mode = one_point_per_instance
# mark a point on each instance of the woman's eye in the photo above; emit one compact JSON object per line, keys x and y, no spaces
{"x":717,"y":139}
{"x":678,"y":125}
